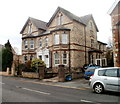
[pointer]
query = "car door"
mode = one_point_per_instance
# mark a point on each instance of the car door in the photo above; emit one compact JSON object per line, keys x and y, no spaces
{"x":119,"y":80}
{"x":111,"y":79}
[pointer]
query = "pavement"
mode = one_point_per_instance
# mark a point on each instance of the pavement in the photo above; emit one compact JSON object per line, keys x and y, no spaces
{"x":75,"y":83}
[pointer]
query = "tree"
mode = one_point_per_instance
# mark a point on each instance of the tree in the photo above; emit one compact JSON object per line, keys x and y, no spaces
{"x":7,"y":56}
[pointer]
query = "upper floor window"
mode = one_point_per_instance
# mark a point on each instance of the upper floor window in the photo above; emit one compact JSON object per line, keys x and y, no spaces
{"x":26,"y":44}
{"x":29,"y":28}
{"x":64,"y":38}
{"x":46,"y":41}
{"x":40,"y":42}
{"x":56,"y":39}
{"x":64,"y":58}
{"x":31,"y":44}
{"x":91,"y":25}
{"x":56,"y":58}
{"x":92,"y":42}
{"x":60,"y":19}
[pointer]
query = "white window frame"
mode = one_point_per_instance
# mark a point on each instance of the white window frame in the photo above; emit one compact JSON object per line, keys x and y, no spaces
{"x":29,"y":28}
{"x":40,"y":43}
{"x":26,"y":44}
{"x":64,"y":38}
{"x":64,"y":59}
{"x":56,"y":59}
{"x":25,"y":59}
{"x":31,"y":44}
{"x":60,"y":19}
{"x":98,"y":60}
{"x":46,"y":42}
{"x":56,"y":39}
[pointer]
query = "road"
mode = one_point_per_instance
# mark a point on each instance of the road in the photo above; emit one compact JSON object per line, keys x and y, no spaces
{"x":16,"y":90}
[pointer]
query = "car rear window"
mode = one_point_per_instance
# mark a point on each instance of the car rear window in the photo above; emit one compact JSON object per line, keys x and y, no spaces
{"x":101,"y":72}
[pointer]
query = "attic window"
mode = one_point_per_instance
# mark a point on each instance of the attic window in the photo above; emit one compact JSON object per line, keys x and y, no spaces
{"x":91,"y":25}
{"x":29,"y":28}
{"x":60,"y":19}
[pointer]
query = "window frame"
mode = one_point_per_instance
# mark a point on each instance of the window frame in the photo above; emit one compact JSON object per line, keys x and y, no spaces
{"x":32,"y":44}
{"x":40,"y":43}
{"x":64,"y":39}
{"x":56,"y":39}
{"x":65,"y":59}
{"x":26,"y":44}
{"x":29,"y":28}
{"x":46,"y":41}
{"x":56,"y":59}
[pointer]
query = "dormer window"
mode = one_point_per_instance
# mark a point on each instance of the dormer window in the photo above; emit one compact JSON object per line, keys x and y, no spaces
{"x":29,"y":28}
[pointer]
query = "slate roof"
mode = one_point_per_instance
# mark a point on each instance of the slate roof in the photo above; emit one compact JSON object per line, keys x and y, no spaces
{"x":38,"y":23}
{"x":83,"y":20}
{"x":113,"y":6}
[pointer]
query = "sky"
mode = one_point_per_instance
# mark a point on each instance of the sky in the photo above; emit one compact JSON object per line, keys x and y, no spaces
{"x":14,"y":14}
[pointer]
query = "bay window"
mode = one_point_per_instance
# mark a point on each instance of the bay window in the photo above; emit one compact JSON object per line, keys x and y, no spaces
{"x":64,"y":38}
{"x":56,"y":58}
{"x":64,"y":58}
{"x":25,"y":44}
{"x":40,"y":43}
{"x":46,"y":41}
{"x":56,"y":39}
{"x":32,"y":44}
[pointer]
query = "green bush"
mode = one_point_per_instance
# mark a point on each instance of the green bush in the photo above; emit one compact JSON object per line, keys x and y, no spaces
{"x":36,"y":63}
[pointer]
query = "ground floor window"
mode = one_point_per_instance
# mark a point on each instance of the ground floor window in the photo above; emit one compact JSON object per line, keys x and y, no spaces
{"x":64,"y":58}
{"x":31,"y":57}
{"x":40,"y":57}
{"x":25,"y":58}
{"x":56,"y":58}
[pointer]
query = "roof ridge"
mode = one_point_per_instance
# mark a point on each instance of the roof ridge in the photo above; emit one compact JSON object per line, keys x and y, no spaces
{"x":37,"y":19}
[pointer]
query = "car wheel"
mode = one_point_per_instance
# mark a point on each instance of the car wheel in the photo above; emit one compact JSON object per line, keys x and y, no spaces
{"x":98,"y":88}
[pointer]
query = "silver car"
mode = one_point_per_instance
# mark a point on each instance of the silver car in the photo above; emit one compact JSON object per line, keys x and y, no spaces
{"x":106,"y":79}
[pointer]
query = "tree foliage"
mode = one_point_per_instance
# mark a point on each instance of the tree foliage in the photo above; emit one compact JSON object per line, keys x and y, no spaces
{"x":7,"y":56}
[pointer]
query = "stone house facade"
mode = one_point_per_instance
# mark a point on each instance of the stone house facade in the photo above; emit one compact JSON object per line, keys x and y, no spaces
{"x":66,"y":39}
{"x":115,"y":18}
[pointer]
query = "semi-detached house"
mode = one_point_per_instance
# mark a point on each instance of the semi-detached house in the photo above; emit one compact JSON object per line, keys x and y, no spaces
{"x":66,"y":39}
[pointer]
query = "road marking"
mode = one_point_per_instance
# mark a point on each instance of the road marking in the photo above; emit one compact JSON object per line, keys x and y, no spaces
{"x":86,"y":101}
{"x":36,"y":91}
{"x":50,"y":84}
{"x":2,"y":83}
{"x":33,"y":90}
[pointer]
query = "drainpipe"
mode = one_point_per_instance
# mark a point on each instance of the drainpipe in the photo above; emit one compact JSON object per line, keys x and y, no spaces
{"x":69,"y":55}
{"x":119,"y":43}
{"x":85,"y":45}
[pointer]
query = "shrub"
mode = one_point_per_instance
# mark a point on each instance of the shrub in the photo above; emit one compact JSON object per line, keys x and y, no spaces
{"x":36,"y":63}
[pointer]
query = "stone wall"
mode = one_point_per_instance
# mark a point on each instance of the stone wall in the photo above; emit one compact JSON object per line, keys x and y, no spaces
{"x":30,"y":74}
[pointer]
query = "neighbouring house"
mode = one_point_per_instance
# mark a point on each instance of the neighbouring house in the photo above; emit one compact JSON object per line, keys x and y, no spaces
{"x":115,"y":18}
{"x":66,"y":39}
